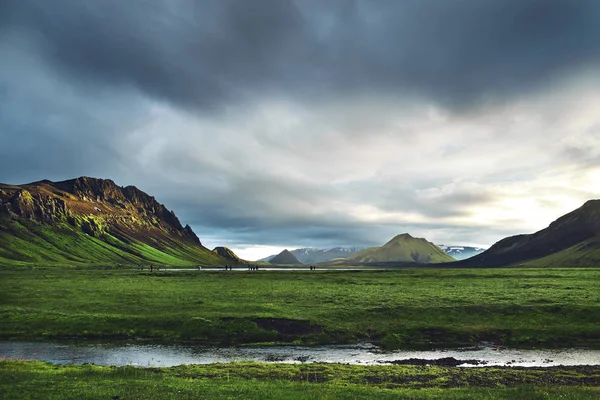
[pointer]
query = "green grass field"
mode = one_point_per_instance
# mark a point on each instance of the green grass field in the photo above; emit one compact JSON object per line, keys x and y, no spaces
{"x":406,"y":308}
{"x":37,"y":380}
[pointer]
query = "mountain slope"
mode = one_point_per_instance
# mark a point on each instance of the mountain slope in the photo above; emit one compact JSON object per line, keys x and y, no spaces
{"x":88,"y":220}
{"x":571,"y":240}
{"x":403,"y":248}
{"x":285,"y":257}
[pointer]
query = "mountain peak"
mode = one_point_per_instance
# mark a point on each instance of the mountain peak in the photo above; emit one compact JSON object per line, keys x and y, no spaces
{"x":402,"y":236}
{"x":119,"y":216}
{"x":227,"y":253}
{"x":285,"y":257}
{"x":593,"y":203}
{"x":403,"y":248}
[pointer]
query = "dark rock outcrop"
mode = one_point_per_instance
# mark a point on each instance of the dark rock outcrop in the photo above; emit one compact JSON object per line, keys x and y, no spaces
{"x":47,"y":201}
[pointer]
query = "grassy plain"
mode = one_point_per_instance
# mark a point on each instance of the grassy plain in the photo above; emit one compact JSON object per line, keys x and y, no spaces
{"x":37,"y":380}
{"x":405,"y":308}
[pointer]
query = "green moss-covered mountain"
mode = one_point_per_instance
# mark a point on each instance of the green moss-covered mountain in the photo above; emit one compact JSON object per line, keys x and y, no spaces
{"x":402,"y":248}
{"x":286,"y":258}
{"x":573,"y":240}
{"x":228,"y":254}
{"x":88,"y":220}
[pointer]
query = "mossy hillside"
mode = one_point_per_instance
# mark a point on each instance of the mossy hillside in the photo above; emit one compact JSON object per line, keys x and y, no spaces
{"x":228,"y":254}
{"x":37,"y":380}
{"x":409,"y":308}
{"x":93,"y":221}
{"x":35,"y":243}
{"x":585,"y":254}
{"x":402,"y":248}
{"x":570,"y":241}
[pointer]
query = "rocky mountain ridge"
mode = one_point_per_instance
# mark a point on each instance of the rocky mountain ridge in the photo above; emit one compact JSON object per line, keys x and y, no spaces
{"x":47,"y":201}
{"x":126,"y":219}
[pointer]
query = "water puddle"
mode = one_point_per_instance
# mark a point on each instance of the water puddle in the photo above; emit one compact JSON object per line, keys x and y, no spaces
{"x":149,"y":355}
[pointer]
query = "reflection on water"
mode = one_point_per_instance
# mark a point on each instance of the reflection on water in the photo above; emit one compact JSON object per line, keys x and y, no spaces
{"x":260,"y":268}
{"x":148,"y":355}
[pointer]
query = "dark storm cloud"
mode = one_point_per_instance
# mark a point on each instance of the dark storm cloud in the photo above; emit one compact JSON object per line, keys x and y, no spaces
{"x":202,"y":53}
{"x":50,"y":129}
{"x":307,"y":122}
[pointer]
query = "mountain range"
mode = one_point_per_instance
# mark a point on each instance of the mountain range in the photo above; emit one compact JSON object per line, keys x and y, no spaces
{"x":308,"y":255}
{"x":88,"y":220}
{"x":94,"y":221}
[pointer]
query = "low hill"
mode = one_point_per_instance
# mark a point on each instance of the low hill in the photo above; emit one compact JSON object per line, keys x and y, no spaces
{"x":572,"y":240}
{"x":285,"y":258}
{"x":89,"y":220}
{"x":402,"y":248}
{"x":228,"y":254}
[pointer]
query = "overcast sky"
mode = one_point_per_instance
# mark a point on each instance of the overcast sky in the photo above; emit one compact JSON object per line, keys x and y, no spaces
{"x":272,"y":124}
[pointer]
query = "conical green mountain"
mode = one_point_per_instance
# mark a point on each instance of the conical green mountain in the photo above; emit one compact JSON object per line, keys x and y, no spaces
{"x":88,"y":220}
{"x":285,"y":257}
{"x":573,"y":240}
{"x":403,"y":248}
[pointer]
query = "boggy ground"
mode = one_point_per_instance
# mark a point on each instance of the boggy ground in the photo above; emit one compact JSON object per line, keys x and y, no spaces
{"x":405,"y":308}
{"x":37,"y":380}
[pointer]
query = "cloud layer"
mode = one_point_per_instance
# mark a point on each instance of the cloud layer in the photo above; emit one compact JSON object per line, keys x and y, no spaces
{"x":307,"y":124}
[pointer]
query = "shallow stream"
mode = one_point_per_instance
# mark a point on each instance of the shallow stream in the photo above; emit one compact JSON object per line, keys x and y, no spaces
{"x":154,"y":355}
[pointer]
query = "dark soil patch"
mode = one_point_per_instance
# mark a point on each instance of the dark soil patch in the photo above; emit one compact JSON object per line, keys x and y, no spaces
{"x":288,"y":329}
{"x":441,"y":362}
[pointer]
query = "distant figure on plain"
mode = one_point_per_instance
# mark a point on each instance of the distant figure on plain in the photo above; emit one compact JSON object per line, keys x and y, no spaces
{"x":151,"y":267}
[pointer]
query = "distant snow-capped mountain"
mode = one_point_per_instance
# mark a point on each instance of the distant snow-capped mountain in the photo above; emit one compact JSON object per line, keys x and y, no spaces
{"x":461,"y":252}
{"x":310,"y":255}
